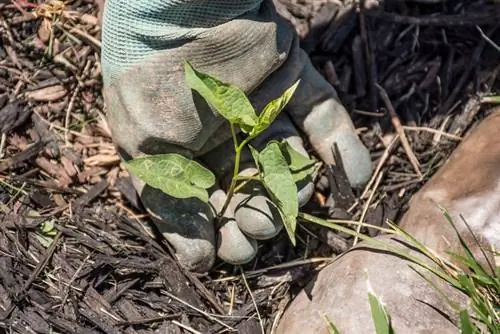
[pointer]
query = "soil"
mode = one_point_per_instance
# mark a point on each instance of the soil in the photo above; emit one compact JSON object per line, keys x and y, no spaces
{"x":76,"y":253}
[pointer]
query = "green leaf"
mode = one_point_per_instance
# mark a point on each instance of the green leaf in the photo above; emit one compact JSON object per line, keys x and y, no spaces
{"x":279,"y":182}
{"x":173,"y":174}
{"x":466,"y":282}
{"x":46,"y":231}
{"x":229,"y":101}
{"x":299,"y":165}
{"x":272,"y":110}
{"x":380,"y":317}
{"x":47,"y":228}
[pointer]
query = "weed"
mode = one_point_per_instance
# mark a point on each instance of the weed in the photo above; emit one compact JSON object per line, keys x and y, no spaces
{"x":279,"y":165}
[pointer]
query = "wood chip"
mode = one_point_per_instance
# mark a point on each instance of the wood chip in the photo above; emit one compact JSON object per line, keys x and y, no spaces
{"x":47,"y":94}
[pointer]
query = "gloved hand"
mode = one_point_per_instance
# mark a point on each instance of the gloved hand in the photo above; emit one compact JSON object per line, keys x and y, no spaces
{"x":152,"y":111}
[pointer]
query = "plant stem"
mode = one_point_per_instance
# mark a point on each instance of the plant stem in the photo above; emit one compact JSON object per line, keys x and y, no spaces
{"x":238,"y":148}
{"x":247,"y":178}
{"x":230,"y":192}
{"x":235,"y":139}
{"x":236,"y":169}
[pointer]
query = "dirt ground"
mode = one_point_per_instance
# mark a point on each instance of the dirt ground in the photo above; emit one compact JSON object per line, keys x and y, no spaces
{"x":74,"y":254}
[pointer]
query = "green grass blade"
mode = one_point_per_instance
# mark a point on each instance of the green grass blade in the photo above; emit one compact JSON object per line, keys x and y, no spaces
{"x":466,"y":326}
{"x":453,"y":305}
{"x":381,"y":318}
{"x":464,"y":245}
{"x":332,"y":329}
{"x":382,"y":245}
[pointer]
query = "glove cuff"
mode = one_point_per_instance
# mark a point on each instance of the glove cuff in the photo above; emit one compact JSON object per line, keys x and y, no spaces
{"x":132,"y":29}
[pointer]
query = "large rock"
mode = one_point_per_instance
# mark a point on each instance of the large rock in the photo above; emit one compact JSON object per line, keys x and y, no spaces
{"x":340,"y":292}
{"x":467,"y":185}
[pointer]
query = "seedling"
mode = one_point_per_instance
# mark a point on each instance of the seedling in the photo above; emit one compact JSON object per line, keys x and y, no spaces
{"x":279,"y":165}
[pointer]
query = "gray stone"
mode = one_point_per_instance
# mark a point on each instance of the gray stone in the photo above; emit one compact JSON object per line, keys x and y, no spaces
{"x":340,"y":293}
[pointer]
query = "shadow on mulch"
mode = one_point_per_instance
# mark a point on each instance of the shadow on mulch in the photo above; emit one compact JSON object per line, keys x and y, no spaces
{"x":75,"y":257}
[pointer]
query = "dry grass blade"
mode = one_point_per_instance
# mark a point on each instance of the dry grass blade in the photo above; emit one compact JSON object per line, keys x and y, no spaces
{"x":253,"y":301}
{"x":209,"y":316}
{"x":382,"y":160}
{"x":400,"y":131}
{"x":438,"y":132}
{"x":189,"y":329}
{"x":367,"y":205}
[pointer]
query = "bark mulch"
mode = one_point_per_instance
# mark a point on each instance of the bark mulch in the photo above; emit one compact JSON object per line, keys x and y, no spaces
{"x":76,"y":251}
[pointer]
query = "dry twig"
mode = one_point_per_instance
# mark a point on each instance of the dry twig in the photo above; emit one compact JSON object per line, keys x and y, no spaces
{"x":400,"y":131}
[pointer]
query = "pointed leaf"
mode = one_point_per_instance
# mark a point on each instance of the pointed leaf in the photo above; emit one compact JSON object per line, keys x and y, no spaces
{"x":173,"y":174}
{"x":272,"y":110}
{"x":299,"y":165}
{"x":229,"y":101}
{"x":280,"y":184}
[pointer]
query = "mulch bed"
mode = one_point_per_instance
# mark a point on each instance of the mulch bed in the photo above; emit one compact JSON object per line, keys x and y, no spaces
{"x":77,"y":255}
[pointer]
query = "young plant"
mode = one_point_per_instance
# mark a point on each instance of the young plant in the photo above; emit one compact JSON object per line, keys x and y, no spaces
{"x":279,"y":165}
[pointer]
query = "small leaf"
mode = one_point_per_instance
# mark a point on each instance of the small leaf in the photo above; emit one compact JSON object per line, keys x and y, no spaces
{"x":279,"y":182}
{"x":380,"y":317}
{"x":229,"y":101}
{"x":272,"y":110}
{"x":47,"y":228}
{"x":299,"y":165}
{"x":173,"y":174}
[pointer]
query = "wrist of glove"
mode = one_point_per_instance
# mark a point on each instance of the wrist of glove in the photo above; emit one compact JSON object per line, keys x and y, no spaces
{"x":152,"y":111}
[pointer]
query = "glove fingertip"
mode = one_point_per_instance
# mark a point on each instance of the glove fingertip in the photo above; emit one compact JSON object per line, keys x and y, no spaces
{"x":233,"y":246}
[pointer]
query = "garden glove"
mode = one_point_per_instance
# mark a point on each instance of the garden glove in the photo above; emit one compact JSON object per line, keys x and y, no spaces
{"x":151,"y":110}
